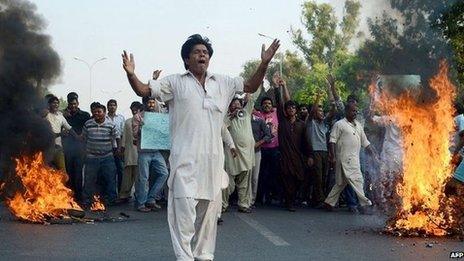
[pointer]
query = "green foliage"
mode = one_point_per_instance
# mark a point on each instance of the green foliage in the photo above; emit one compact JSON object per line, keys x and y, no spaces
{"x":327,"y":36}
{"x":411,"y":40}
{"x":405,"y":41}
{"x":294,"y":70}
{"x":326,"y":50}
{"x":348,"y":79}
{"x":452,"y":24}
{"x":314,"y":83}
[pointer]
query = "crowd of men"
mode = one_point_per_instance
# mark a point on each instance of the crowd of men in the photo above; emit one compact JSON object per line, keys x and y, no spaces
{"x":276,"y":152}
{"x":299,"y":151}
{"x":101,"y":154}
{"x":264,"y":146}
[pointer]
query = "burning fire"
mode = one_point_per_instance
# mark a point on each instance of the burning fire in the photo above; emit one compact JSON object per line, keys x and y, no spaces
{"x":97,"y":205}
{"x":45,"y":195}
{"x":426,"y":128}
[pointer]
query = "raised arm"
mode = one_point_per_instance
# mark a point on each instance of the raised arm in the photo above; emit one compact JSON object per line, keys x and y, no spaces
{"x":286,"y":93}
{"x":128,"y":63}
{"x":332,"y":91}
{"x":266,"y":56}
{"x":314,"y":107}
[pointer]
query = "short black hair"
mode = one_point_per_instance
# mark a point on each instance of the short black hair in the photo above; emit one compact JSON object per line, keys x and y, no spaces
{"x":145,"y":99}
{"x":94,"y":105}
{"x":266,"y":98}
{"x":72,"y":96}
{"x":112,"y":101}
{"x":136,"y":104}
{"x":48,"y":96}
{"x":351,"y":98}
{"x":52,"y":99}
{"x":97,"y":105}
{"x":237,"y":99}
{"x":290,"y":104}
{"x":350,"y":103}
{"x":190,"y":43}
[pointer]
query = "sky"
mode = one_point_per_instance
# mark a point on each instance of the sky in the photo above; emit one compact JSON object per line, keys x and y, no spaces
{"x":154,"y":32}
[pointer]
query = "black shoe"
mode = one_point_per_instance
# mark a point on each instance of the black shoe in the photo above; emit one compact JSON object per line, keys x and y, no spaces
{"x":328,"y":207}
{"x":152,"y":205}
{"x":220,"y":221}
{"x":353,"y":210}
{"x":244,"y":210}
{"x":319,"y":205}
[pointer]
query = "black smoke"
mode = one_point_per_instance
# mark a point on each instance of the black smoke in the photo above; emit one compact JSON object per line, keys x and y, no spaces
{"x":28,"y":64}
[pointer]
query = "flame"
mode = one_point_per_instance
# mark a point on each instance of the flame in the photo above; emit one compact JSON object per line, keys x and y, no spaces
{"x":426,"y":128}
{"x":45,"y":194}
{"x":97,"y":205}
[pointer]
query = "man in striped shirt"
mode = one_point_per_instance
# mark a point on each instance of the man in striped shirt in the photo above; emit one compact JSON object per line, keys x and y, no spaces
{"x":99,"y":134}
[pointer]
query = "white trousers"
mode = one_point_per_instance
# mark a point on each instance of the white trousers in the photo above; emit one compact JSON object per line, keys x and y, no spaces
{"x":255,"y":177}
{"x":193,"y":227}
{"x":356,"y":182}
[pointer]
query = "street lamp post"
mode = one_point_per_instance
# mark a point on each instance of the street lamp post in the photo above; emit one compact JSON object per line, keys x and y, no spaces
{"x":90,"y":67}
{"x":281,"y":58}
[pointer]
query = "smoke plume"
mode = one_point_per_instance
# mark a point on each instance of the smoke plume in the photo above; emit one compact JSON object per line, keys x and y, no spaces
{"x":28,"y":64}
{"x":405,"y":38}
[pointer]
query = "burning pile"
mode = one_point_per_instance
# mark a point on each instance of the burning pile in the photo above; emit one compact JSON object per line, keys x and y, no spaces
{"x":426,"y":126}
{"x":45,"y":196}
{"x":97,"y":204}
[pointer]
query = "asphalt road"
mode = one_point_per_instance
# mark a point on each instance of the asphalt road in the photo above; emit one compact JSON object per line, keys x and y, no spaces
{"x":270,"y":233}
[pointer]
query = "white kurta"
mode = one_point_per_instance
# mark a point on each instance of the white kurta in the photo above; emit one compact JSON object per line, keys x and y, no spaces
{"x":348,"y":138}
{"x":58,"y":123}
{"x":242,"y":135}
{"x":196,"y":118}
{"x":118,"y":121}
{"x":197,"y":158}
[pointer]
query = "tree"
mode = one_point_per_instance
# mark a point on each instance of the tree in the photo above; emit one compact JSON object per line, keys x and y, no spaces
{"x":405,"y":41}
{"x":326,"y":51}
{"x":294,"y":70}
{"x":452,"y":24}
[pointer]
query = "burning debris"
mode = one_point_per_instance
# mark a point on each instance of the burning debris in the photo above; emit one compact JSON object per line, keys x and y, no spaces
{"x":97,"y":204}
{"x":45,"y":196}
{"x":426,"y":125}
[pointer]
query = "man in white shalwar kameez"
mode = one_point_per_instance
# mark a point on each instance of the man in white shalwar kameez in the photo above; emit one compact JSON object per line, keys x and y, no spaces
{"x":346,"y":138}
{"x":197,"y":101}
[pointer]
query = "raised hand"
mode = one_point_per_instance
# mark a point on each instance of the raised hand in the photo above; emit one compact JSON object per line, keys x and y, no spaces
{"x":128,"y":63}
{"x":277,"y":80}
{"x":156,"y":74}
{"x":267,"y":54}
